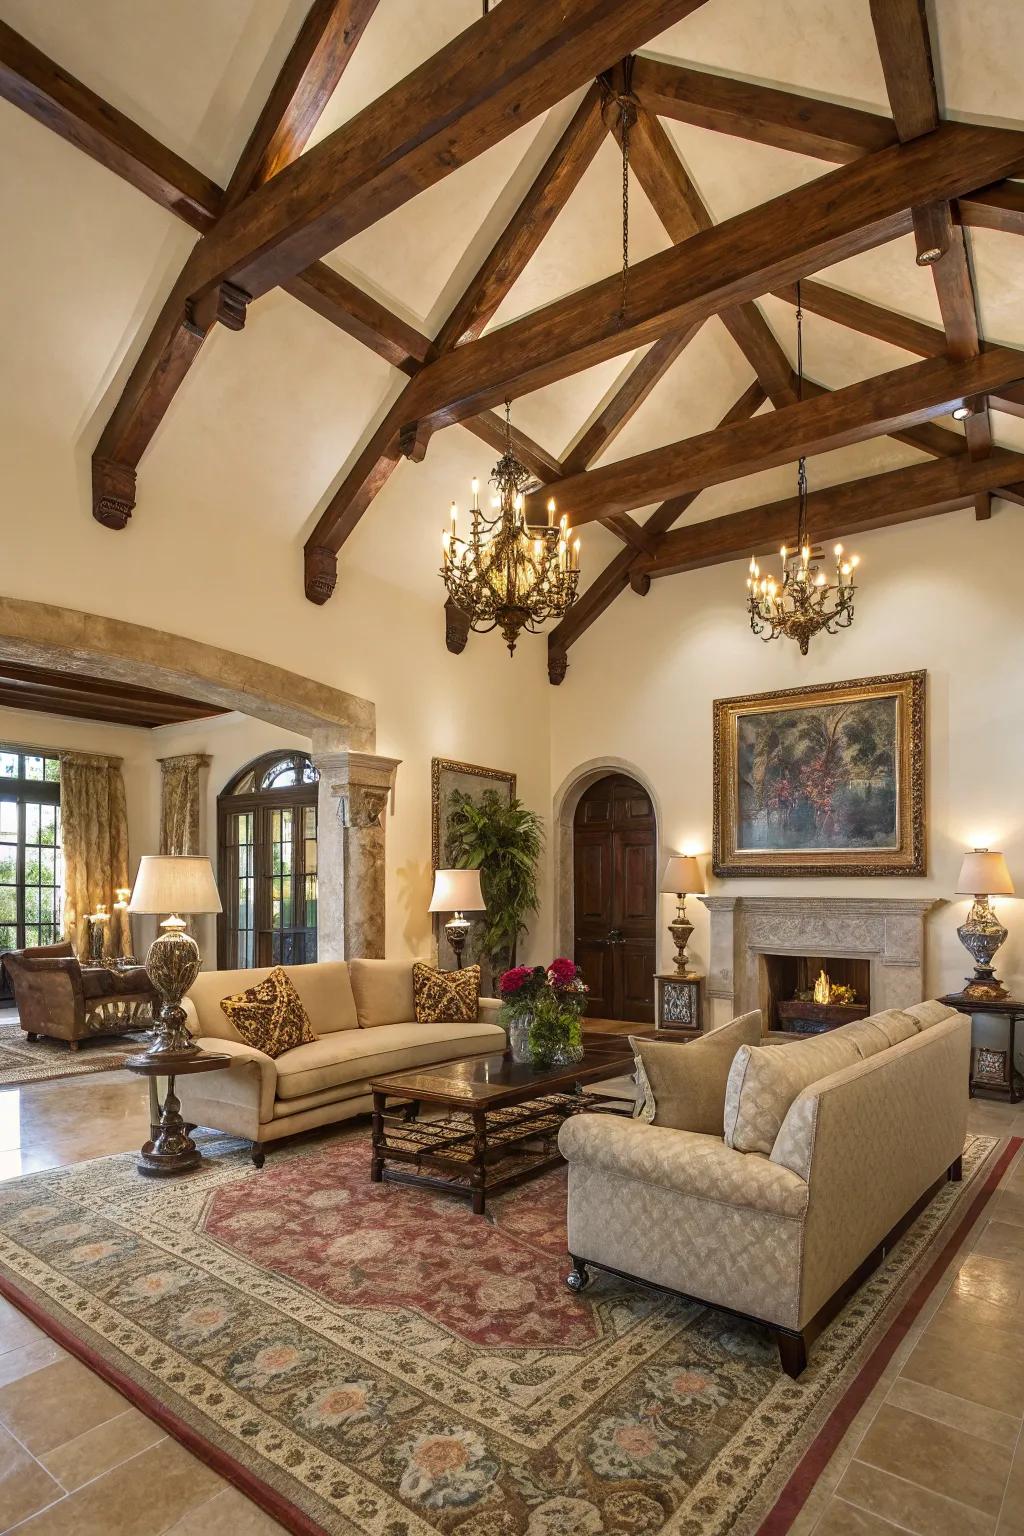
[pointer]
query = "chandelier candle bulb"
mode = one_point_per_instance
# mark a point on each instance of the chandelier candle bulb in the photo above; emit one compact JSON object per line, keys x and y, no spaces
{"x":551,"y":511}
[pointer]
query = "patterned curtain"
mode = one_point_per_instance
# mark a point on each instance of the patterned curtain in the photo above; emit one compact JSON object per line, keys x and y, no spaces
{"x":94,"y":832}
{"x":181,"y":792}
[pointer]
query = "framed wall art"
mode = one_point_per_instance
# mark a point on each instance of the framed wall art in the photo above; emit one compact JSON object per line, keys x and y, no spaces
{"x":446,"y":777}
{"x":822,"y":781}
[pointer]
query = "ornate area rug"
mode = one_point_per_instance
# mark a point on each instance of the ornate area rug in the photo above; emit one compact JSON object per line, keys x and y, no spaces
{"x":374,"y":1360}
{"x":33,"y":1061}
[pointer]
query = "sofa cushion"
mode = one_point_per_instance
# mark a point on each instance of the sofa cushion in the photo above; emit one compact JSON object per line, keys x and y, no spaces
{"x":764,"y":1081}
{"x":865,"y":1035}
{"x":683,"y":1085}
{"x":354,"y":1057}
{"x":929,"y":1013}
{"x":445,"y":997}
{"x":383,"y":992}
{"x":324,"y":987}
{"x":896,"y":1026}
{"x":269,"y":1016}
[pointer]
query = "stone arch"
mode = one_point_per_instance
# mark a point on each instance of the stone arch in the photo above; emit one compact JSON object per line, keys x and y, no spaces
{"x":567,"y":797}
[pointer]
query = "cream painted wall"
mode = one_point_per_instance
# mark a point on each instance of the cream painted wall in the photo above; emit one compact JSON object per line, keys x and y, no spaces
{"x":942,"y":595}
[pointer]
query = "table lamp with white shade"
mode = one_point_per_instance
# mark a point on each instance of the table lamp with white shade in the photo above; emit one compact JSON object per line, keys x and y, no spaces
{"x":682,"y":877}
{"x":983,"y":874}
{"x":174,"y":886}
{"x":457,"y":891}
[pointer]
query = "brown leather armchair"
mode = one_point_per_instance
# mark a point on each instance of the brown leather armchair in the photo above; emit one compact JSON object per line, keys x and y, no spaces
{"x":55,"y":995}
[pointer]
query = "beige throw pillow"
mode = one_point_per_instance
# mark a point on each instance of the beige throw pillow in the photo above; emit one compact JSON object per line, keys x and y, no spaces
{"x":683,"y":1085}
{"x":763,"y":1084}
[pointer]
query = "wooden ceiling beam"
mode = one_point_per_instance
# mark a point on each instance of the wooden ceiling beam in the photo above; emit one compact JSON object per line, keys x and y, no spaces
{"x":33,"y":82}
{"x":684,"y":214}
{"x":760,"y":113}
{"x":875,"y":501}
{"x":493,"y":279}
{"x":502,"y":71}
{"x":616,"y":576}
{"x":852,"y":209}
{"x":872,"y":408}
{"x":999,"y":207}
{"x":25,"y":674}
{"x":904,"y":47}
{"x":312,"y":70}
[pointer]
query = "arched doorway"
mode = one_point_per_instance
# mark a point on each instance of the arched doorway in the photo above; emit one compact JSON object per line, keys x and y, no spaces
{"x":267,"y":863}
{"x":615,"y":893}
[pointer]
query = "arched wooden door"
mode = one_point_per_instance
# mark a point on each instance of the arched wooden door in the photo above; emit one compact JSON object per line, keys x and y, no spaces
{"x":615,"y":898}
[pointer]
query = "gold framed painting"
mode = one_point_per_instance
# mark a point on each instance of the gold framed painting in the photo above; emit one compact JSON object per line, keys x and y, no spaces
{"x":822,"y":781}
{"x":447,"y":776}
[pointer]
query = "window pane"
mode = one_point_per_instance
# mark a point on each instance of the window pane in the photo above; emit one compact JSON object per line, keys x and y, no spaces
{"x":8,"y":765}
{"x":8,"y":821}
{"x":280,"y":775}
{"x":51,"y":770}
{"x":33,"y":767}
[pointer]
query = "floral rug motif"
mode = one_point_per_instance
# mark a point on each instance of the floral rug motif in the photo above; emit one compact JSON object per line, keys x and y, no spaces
{"x":34,"y":1061}
{"x":379,"y":1362}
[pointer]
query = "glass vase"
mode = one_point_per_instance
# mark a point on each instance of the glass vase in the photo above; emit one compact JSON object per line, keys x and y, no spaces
{"x":517,"y":1023}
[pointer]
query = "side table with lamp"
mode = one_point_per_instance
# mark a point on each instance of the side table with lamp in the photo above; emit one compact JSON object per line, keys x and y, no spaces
{"x":457,"y":891}
{"x":170,"y":885}
{"x":678,"y":993}
{"x":984,"y":874}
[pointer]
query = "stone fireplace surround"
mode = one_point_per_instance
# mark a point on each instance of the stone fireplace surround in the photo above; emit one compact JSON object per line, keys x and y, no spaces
{"x":888,"y":931}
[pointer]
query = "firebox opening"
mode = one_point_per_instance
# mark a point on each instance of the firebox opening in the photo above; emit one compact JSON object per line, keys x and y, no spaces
{"x":787,"y":987}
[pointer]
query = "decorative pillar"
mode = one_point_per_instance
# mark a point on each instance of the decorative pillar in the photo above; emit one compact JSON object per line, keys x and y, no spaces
{"x":355,"y":788}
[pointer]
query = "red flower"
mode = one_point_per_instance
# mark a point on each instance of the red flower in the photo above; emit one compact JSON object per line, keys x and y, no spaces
{"x":562,"y":972}
{"x":514,"y":979}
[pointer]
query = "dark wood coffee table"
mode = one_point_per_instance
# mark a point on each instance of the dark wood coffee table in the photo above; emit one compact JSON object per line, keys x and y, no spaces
{"x":502,"y":1123}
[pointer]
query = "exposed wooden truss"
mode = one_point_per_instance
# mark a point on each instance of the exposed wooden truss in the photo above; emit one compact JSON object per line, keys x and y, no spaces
{"x":314,"y":66}
{"x":47,"y":691}
{"x":278,"y":212}
{"x":904,"y":46}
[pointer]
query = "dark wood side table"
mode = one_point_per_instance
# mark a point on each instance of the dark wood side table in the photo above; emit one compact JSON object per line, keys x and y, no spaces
{"x":171,"y":1149}
{"x":679,"y":1001}
{"x":993,"y":1072}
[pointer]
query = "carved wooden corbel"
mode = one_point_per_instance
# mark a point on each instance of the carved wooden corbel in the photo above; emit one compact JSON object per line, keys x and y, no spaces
{"x":113,"y":492}
{"x":456,"y":628}
{"x":321,"y":567}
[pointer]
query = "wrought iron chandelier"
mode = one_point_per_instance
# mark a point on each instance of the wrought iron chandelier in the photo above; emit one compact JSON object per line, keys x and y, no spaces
{"x":805,"y":602}
{"x":509,"y":574}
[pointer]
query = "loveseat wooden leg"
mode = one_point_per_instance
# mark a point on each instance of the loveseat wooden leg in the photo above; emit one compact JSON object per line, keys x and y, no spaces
{"x":578,"y":1277}
{"x":956,"y":1170}
{"x":257,"y":1153}
{"x":73,"y":1045}
{"x":792,"y":1352}
{"x":29,"y":1035}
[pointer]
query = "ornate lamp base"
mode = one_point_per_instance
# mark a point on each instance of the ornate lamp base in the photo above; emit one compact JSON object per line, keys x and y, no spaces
{"x":681,"y":930}
{"x":981,"y":935}
{"x":173,"y":964}
{"x":456,"y":931}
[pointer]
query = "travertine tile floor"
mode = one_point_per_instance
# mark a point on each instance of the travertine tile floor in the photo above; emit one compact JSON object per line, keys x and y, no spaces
{"x":936,"y":1450}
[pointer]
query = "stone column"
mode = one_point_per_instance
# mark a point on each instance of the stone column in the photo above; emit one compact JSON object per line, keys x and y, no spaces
{"x":355,"y":788}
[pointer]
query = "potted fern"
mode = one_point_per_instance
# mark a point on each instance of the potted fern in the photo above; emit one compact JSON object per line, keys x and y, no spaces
{"x":504,"y":840}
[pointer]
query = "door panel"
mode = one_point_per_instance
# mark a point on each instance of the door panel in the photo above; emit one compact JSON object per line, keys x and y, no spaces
{"x":615,"y":895}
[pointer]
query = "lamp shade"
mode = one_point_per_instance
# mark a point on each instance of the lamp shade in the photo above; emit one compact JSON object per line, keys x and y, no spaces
{"x":457,"y":890}
{"x":983,"y":873}
{"x":682,"y":875}
{"x":174,"y":883}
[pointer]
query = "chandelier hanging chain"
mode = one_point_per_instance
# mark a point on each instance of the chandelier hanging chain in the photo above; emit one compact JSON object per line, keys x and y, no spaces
{"x":803,"y":602}
{"x":624,"y":119}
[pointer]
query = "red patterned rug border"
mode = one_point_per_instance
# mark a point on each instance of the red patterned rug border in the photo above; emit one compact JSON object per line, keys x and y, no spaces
{"x":797,"y":1490}
{"x":275,"y":1504}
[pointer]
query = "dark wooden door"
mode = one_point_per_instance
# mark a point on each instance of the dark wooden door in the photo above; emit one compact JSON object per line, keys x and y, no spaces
{"x":615,"y":897}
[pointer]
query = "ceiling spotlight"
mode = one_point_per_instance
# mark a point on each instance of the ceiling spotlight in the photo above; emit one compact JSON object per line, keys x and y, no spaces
{"x":928,"y":255}
{"x":961,"y":412}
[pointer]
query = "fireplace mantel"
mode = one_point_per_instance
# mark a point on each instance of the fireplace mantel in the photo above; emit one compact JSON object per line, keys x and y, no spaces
{"x":889,"y":931}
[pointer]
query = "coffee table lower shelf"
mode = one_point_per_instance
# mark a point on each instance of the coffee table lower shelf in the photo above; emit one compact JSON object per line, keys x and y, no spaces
{"x":476,"y":1152}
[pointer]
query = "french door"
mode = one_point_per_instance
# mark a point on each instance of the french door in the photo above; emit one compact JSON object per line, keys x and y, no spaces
{"x":31,"y":867}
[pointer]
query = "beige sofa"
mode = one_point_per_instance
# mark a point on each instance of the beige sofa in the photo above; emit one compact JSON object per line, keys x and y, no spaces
{"x":847,"y":1136}
{"x":362,"y":1013}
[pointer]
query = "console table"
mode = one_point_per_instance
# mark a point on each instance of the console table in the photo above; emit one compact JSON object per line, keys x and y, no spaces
{"x":993,"y":1072}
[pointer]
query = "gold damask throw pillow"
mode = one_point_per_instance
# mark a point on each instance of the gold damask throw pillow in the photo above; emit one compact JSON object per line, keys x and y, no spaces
{"x":270,"y":1016}
{"x":445,"y":997}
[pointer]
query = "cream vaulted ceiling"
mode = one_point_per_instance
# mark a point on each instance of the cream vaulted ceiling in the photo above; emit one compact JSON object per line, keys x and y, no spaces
{"x":264,"y":428}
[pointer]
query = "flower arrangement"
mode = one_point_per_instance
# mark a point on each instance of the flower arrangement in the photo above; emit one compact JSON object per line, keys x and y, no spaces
{"x":542,"y":1009}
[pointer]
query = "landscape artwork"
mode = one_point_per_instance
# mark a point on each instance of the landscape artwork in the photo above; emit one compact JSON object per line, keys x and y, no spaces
{"x":822,"y":780}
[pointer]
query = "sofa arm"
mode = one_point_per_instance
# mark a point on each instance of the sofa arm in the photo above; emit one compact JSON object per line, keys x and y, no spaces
{"x":689,"y":1163}
{"x":487,"y":1010}
{"x":250,"y":1080}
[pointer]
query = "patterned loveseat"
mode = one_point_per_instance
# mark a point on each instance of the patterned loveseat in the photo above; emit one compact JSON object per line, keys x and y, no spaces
{"x":364,"y":1018}
{"x":828,"y":1147}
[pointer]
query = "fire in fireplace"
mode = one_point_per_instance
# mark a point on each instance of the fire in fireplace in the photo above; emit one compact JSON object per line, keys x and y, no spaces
{"x":808,"y":994}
